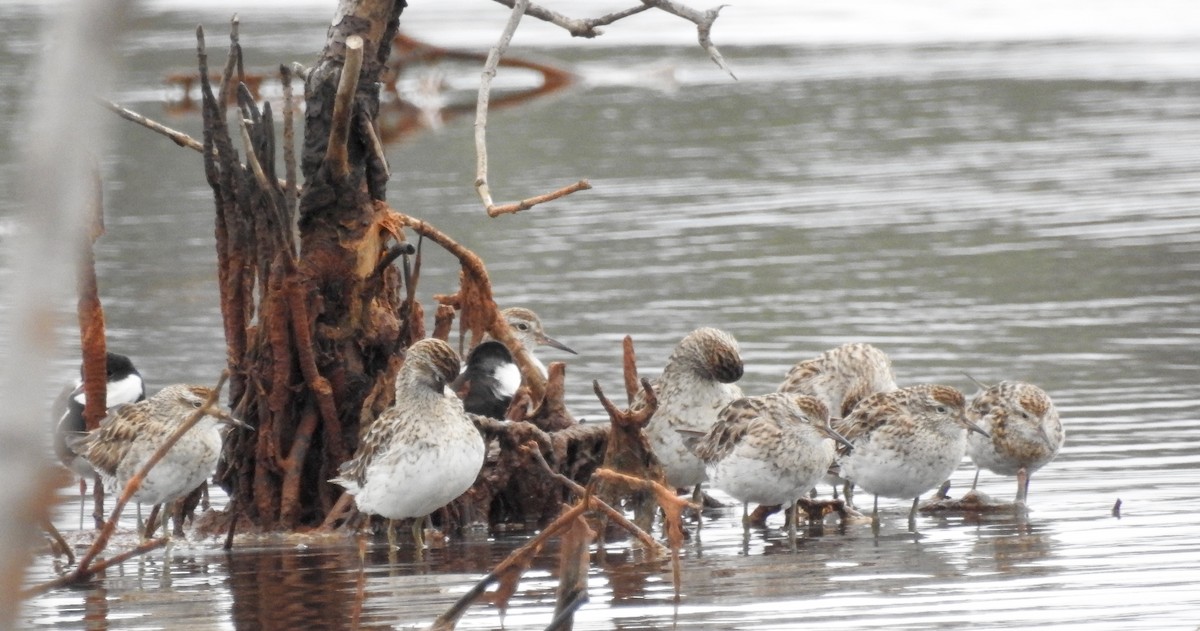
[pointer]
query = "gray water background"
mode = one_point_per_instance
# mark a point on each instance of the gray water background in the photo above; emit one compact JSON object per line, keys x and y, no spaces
{"x":1008,"y":192}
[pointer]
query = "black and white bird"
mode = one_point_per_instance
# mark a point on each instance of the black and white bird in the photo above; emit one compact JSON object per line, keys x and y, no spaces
{"x":490,"y":380}
{"x":125,"y":385}
{"x":491,"y":377}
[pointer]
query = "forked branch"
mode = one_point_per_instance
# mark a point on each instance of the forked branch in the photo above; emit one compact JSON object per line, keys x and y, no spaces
{"x":481,"y":110}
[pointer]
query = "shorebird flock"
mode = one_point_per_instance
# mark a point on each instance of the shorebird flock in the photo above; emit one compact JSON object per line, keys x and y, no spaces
{"x":839,"y":417}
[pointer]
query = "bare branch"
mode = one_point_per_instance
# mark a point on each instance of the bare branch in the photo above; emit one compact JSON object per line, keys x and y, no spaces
{"x":336,"y":153}
{"x":575,"y":26}
{"x":290,"y":190}
{"x":251,"y":158}
{"x":526,"y":204}
{"x":481,"y":112}
{"x":481,"y":103}
{"x":702,"y":20}
{"x":179,"y":138}
{"x":587,"y":27}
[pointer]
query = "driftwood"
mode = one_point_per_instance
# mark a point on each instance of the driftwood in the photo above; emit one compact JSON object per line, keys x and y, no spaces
{"x":318,"y":293}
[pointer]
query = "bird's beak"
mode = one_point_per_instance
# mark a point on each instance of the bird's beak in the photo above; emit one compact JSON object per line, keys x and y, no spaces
{"x":1045,"y":437}
{"x":972,"y":427}
{"x":553,"y":343}
{"x":224,"y":418}
{"x":838,"y":438}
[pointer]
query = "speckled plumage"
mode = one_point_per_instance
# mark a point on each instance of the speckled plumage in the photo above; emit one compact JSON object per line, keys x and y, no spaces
{"x":131,"y":433}
{"x":422,"y":452}
{"x":906,"y":441}
{"x":1026,"y":432}
{"x":695,"y":385}
{"x":841,"y":377}
{"x":768,"y":449}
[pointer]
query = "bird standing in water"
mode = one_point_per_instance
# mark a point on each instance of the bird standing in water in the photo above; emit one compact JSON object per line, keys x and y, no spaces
{"x":1026,"y":432}
{"x":769,"y":449}
{"x":840,"y":378}
{"x":695,"y":385}
{"x":125,"y":385}
{"x":422,"y":452}
{"x":906,"y":442}
{"x":130,"y":434}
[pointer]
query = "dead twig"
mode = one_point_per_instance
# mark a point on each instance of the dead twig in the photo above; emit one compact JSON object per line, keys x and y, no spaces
{"x":495,"y":210}
{"x":336,"y":152}
{"x":510,"y":569}
{"x":672,"y":506}
{"x":100,"y":566}
{"x":178,"y":137}
{"x":575,"y":26}
{"x":652,"y":546}
{"x":58,"y":542}
{"x":588,"y":27}
{"x":703,"y":21}
{"x":481,"y":111}
{"x":574,"y":560}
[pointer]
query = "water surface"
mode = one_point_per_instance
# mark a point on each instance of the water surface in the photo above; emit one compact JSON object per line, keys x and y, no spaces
{"x":1007,"y":192}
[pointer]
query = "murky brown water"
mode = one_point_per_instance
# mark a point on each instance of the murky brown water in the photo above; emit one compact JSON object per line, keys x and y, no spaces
{"x":1007,"y":202}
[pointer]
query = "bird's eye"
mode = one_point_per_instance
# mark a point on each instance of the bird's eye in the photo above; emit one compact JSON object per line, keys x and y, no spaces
{"x":197,"y":404}
{"x":521,"y":326}
{"x":941,"y":409}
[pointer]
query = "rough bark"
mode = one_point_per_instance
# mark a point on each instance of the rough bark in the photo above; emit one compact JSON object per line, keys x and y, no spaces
{"x":311,"y":332}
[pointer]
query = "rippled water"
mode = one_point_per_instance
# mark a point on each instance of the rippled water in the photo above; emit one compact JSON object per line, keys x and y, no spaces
{"x":999,"y":191}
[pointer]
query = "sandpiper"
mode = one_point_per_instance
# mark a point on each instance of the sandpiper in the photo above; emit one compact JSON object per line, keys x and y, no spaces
{"x":906,"y":442}
{"x":527,"y":328}
{"x":1026,"y":432}
{"x":840,"y":378}
{"x":125,"y":385}
{"x":697,"y":382}
{"x":421,"y":453}
{"x":769,"y":449}
{"x":131,"y":433}
{"x":491,"y":376}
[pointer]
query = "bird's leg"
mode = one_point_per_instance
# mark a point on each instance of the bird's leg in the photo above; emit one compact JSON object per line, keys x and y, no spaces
{"x":82,"y":499}
{"x":848,"y":493}
{"x":976,"y":480}
{"x":177,"y":515}
{"x":746,"y":519}
{"x":793,"y":517}
{"x":912,"y":514}
{"x":698,"y":500}
{"x":418,"y":532}
{"x":391,"y":533}
{"x":1022,"y":485}
{"x":875,"y":517}
{"x":150,"y":526}
{"x":164,"y":514}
